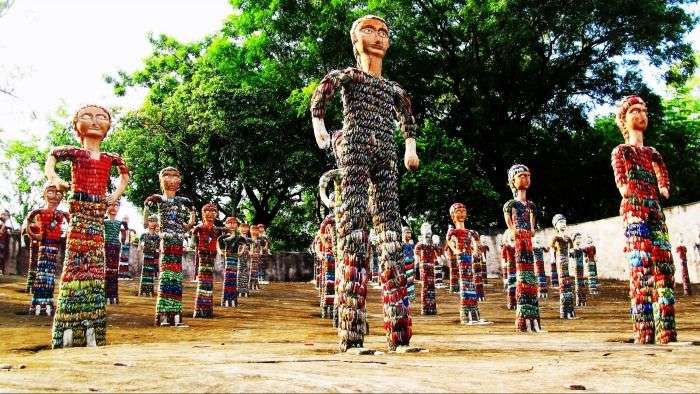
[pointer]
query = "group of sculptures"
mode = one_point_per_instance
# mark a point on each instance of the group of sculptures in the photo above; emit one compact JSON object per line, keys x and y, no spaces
{"x":350,"y":255}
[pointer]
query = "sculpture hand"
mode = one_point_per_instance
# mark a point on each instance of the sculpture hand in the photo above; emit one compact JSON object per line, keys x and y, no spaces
{"x":112,"y":197}
{"x":323,"y":140}
{"x":664,"y":192}
{"x":59,"y":183}
{"x":410,"y":158}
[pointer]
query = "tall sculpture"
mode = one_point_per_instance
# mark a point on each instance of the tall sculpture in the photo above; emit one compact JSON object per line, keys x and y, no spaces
{"x":427,"y":251}
{"x":112,"y":249}
{"x":80,"y":318}
{"x":520,"y":217}
{"x":460,"y":241}
{"x":640,"y":176}
{"x":409,"y":262}
{"x":539,"y":251}
{"x":206,"y":235}
{"x":682,"y":252}
{"x":559,"y":247}
{"x":591,"y":263}
{"x":176,"y":216}
{"x":366,"y":159}
{"x":149,"y":245}
{"x":46,"y":230}
{"x":577,"y":253}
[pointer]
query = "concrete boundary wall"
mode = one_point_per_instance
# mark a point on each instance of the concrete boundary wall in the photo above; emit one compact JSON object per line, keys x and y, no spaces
{"x":608,"y":238}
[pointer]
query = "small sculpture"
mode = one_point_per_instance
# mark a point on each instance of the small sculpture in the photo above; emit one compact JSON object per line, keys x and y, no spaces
{"x":427,"y":251}
{"x":126,"y":237}
{"x":559,"y":247}
{"x":149,"y":245}
{"x":539,"y":251}
{"x":112,"y":249}
{"x":508,"y":268}
{"x":409,"y":262}
{"x":577,"y":254}
{"x":590,"y":254}
{"x":206,"y":235}
{"x":682,"y":252}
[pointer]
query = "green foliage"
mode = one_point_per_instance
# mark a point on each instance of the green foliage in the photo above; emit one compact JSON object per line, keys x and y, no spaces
{"x":22,"y":168}
{"x":492,"y":82}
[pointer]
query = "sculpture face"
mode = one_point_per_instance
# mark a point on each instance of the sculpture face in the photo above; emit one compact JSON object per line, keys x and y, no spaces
{"x":231,"y":225}
{"x":577,"y":241}
{"x":254,"y":231}
{"x":436,"y":239}
{"x":245,"y":229}
{"x":170,"y":181}
{"x":522,"y":181}
{"x":561,"y":225}
{"x":152,"y":225}
{"x":53,"y":197}
{"x":407,"y":236}
{"x":459,"y":215}
{"x":92,"y":122}
{"x":113,"y":209}
{"x":209,"y":214}
{"x":589,"y":240}
{"x":371,"y":38}
{"x":636,"y":117}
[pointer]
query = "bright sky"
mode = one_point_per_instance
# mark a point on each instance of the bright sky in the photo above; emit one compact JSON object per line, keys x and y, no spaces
{"x":57,"y":53}
{"x":60,"y":51}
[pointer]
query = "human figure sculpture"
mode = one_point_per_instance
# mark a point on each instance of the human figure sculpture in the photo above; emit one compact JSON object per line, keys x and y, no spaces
{"x":206,"y":235}
{"x":375,"y":244}
{"x":484,"y":249}
{"x":427,"y":251}
{"x":4,"y":240}
{"x":508,"y":269}
{"x":33,"y":249}
{"x":559,"y":248}
{"x":45,"y":229}
{"x":409,"y":262}
{"x":176,"y":216}
{"x":682,"y":252}
{"x":520,"y":217}
{"x":112,"y":249}
{"x":460,"y":241}
{"x":539,"y":251}
{"x":126,"y":235}
{"x":577,"y":254}
{"x":264,"y":255}
{"x":255,"y":256}
{"x":228,"y":245}
{"x":80,"y":318}
{"x":452,"y":264}
{"x":328,"y":279}
{"x":640,"y":176}
{"x":440,"y":265}
{"x":244,"y":260}
{"x":477,"y":265}
{"x":366,"y":160}
{"x":591,"y":263}
{"x":149,"y":245}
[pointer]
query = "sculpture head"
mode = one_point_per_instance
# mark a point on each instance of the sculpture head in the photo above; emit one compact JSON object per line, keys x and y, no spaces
{"x":262,"y":229}
{"x":231,"y":224}
{"x":152,"y":223}
{"x":5,"y":215}
{"x":170,"y":179}
{"x":52,"y":196}
{"x":406,"y":234}
{"x":518,"y":178}
{"x":458,"y":212}
{"x":113,"y":209}
{"x":209,"y":213}
{"x":244,"y":229}
{"x":254,"y":231}
{"x":426,"y":231}
{"x":326,"y":231}
{"x":559,"y":222}
{"x":577,"y":239}
{"x":92,"y":121}
{"x":589,"y":240}
{"x":631,"y":116}
{"x":436,"y":239}
{"x":370,"y":38}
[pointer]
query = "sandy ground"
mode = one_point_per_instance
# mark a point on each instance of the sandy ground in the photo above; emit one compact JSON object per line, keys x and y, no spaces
{"x":275,"y":341}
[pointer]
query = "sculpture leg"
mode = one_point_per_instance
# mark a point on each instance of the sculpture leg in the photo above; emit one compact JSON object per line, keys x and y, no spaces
{"x":527,"y":315}
{"x":229,"y":296}
{"x":169,"y":302}
{"x":112,"y":273}
{"x":386,"y":222}
{"x":664,"y":298}
{"x":554,"y":274}
{"x":469,"y":303}
{"x":204,"y":296}
{"x":43,"y":285}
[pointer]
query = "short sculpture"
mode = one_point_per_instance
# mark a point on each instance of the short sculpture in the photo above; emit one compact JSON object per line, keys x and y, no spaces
{"x":206,"y":235}
{"x":484,"y":249}
{"x":559,"y":247}
{"x":366,"y":159}
{"x":409,"y":262}
{"x":508,"y":268}
{"x":244,"y":260}
{"x":640,"y":176}
{"x":592,"y":264}
{"x":327,"y":267}
{"x":540,"y":251}
{"x":47,"y":232}
{"x":520,"y":217}
{"x":577,"y":254}
{"x":80,"y":318}
{"x":149,"y":245}
{"x":126,"y":237}
{"x":176,"y":216}
{"x":427,"y":251}
{"x":682,"y":252}
{"x":112,"y":249}
{"x":460,"y":241}
{"x":228,"y":245}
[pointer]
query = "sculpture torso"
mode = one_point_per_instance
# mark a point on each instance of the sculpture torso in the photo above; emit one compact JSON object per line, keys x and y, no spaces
{"x":49,"y":222}
{"x":207,"y":235}
{"x":462,"y":239}
{"x":634,"y":166}
{"x":112,"y":231}
{"x":520,"y":213}
{"x":173,"y":214}
{"x":89,"y":176}
{"x":150,"y":242}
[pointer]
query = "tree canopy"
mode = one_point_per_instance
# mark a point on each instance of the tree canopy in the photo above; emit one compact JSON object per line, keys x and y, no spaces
{"x":492,"y":82}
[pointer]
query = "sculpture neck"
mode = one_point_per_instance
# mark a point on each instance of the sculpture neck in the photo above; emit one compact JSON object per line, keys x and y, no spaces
{"x":92,"y":144}
{"x":636,"y":138}
{"x":459,"y":225}
{"x":372,"y":65}
{"x":169,"y":194}
{"x":521,"y":195}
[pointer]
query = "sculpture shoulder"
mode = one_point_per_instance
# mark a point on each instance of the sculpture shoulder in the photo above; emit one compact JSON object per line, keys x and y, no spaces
{"x":153,"y":199}
{"x":508,"y":206}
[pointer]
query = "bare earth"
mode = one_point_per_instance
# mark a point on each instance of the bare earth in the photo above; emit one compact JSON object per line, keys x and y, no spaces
{"x":275,"y":341}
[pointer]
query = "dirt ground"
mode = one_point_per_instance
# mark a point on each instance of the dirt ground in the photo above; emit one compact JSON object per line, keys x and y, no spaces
{"x":275,"y":341}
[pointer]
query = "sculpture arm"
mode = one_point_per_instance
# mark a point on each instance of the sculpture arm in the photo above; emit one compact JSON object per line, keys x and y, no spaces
{"x":323,"y":94}
{"x":618,"y":165}
{"x":28,"y":226}
{"x":657,"y":161}
{"x":56,"y":155}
